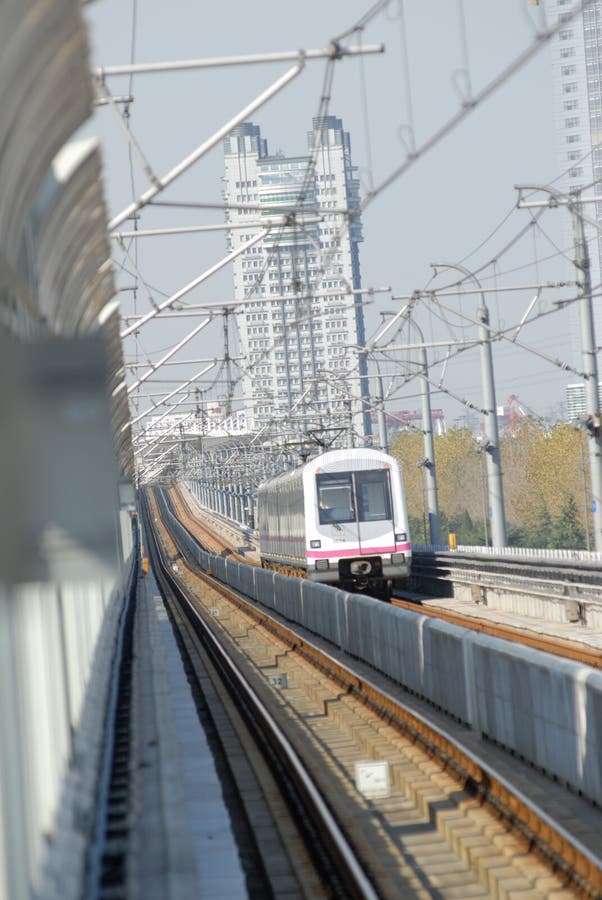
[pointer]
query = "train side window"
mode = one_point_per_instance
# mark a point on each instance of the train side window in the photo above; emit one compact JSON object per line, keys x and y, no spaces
{"x":373,"y":495}
{"x":335,"y":498}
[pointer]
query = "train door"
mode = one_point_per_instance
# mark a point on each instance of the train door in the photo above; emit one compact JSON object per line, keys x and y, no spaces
{"x":337,"y":506}
{"x":374,"y":510}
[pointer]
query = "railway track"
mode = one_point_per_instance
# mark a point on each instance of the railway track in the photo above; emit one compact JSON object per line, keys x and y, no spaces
{"x":289,"y":839}
{"x":422,"y":817}
{"x":224,"y":542}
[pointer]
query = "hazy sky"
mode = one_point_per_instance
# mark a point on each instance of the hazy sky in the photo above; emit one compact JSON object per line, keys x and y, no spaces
{"x":442,"y":209}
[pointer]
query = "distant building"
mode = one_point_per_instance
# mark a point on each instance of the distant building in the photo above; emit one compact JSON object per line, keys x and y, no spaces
{"x":210,"y":422}
{"x":301,"y":327}
{"x":577,"y":86}
{"x":575,"y":400}
{"x":411,"y":418}
{"x":163,"y":425}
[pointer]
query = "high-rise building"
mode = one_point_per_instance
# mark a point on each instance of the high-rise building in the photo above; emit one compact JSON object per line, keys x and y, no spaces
{"x":575,"y":400}
{"x":577,"y":85}
{"x":300,"y":322}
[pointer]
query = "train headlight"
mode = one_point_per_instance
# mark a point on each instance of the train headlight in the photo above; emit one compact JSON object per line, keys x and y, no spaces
{"x":315,"y":544}
{"x":398,"y":559}
{"x":322,"y":565}
{"x":402,"y":536}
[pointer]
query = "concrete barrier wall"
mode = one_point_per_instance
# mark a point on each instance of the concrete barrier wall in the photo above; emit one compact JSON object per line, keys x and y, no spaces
{"x":544,"y":708}
{"x":547,"y":709}
{"x":57,"y":628}
{"x":57,"y":643}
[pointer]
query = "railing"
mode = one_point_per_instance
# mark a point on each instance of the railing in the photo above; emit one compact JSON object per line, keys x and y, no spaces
{"x":514,"y":552}
{"x":561,"y":586}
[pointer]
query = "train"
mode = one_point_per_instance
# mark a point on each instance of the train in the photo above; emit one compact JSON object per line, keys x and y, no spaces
{"x":340,"y":519}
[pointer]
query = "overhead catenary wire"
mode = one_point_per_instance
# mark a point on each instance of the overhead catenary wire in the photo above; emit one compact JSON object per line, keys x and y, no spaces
{"x":373,"y":12}
{"x":476,"y":100}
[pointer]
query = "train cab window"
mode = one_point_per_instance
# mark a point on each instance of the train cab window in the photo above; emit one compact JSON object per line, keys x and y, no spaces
{"x":373,"y":495}
{"x":335,"y":498}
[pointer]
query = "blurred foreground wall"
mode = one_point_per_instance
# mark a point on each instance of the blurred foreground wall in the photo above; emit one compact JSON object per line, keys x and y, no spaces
{"x":66,"y":503}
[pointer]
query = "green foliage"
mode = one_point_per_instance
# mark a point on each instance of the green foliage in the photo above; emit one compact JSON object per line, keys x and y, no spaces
{"x":566,"y":529}
{"x":419,"y":530}
{"x":519,"y":536}
{"x":466,"y":531}
{"x":539,"y":527}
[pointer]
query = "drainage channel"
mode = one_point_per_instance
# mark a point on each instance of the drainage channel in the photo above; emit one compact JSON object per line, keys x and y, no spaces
{"x":107,"y":858}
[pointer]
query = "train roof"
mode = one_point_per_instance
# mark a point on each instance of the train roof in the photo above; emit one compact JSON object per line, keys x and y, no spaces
{"x":359,"y":457}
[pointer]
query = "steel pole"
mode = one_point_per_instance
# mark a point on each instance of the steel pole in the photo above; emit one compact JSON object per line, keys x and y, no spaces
{"x":590,"y":368}
{"x":429,"y":451}
{"x":483,"y":498}
{"x":380,"y":414}
{"x":494,"y":466}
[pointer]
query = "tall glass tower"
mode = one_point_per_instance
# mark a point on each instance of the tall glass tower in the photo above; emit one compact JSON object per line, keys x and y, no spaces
{"x":301,"y":324}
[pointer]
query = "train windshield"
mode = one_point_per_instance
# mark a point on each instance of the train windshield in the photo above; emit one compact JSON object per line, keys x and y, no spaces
{"x":373,"y":495}
{"x":335,"y":498}
{"x":339,"y":494}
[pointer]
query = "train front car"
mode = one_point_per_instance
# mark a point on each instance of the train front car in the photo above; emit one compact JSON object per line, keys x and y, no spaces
{"x":356,"y":521}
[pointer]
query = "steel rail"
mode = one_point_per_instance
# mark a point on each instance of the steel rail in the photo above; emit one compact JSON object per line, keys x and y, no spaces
{"x":210,"y":540}
{"x":264,"y":726}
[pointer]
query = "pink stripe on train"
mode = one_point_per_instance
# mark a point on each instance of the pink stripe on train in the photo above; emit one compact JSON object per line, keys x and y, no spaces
{"x":357,"y":551}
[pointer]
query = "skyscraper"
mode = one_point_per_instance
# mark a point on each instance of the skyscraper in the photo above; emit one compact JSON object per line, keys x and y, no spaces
{"x":577,"y":85}
{"x":300,"y":320}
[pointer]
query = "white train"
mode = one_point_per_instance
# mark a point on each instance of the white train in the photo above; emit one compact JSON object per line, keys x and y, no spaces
{"x":340,"y":519}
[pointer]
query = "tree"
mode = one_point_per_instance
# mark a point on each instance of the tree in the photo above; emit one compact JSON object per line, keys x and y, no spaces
{"x":539,"y":526}
{"x":546,"y":483}
{"x":566,"y":529}
{"x":520,"y":487}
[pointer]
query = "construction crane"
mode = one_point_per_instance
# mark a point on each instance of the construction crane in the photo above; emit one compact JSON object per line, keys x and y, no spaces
{"x":514,"y":409}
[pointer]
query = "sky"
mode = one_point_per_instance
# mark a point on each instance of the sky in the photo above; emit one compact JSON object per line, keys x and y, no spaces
{"x":455,"y":203}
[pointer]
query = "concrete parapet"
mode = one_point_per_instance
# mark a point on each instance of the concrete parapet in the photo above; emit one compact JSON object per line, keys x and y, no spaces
{"x":546,"y":709}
